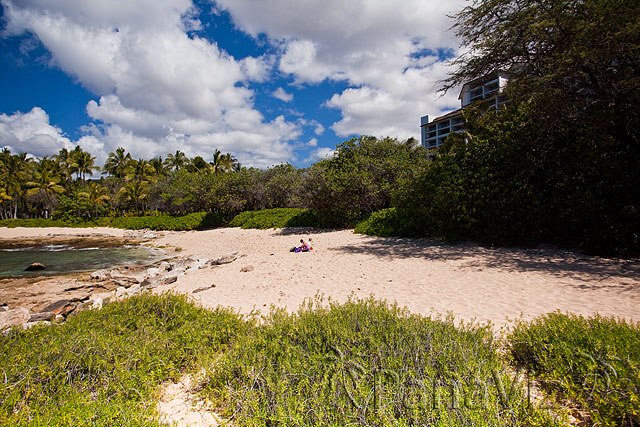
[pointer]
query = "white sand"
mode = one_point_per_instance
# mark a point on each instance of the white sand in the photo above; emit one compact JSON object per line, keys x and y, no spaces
{"x":423,"y":275}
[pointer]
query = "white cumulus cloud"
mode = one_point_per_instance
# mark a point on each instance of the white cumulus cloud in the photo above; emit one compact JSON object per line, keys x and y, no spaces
{"x":159,"y":89}
{"x":387,"y":53}
{"x":282,"y":95}
{"x":31,"y":133}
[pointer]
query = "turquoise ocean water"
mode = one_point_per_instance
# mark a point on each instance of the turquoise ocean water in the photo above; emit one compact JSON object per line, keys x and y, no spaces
{"x":60,"y":259}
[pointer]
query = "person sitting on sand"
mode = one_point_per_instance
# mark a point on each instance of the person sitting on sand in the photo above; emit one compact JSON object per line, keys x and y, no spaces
{"x":304,"y":246}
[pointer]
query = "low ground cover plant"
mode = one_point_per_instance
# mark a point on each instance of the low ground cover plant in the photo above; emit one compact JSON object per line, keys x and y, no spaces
{"x":367,"y":363}
{"x":101,"y":368}
{"x":592,"y":362}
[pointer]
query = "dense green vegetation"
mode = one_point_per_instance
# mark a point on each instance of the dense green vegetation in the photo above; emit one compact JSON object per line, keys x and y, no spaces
{"x":153,"y":222}
{"x":359,"y":363}
{"x":594,"y":363}
{"x":277,"y":218}
{"x":102,"y":368}
{"x":367,"y":363}
{"x":559,"y":163}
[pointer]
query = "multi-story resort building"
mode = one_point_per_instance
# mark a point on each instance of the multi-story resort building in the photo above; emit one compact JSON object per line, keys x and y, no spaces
{"x":487,"y":89}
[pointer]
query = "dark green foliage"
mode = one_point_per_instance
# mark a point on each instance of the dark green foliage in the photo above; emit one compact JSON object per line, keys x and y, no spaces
{"x":101,"y":368}
{"x":33,"y":222}
{"x":594,"y":362}
{"x":362,"y":177}
{"x":367,"y":363}
{"x":562,"y":164}
{"x":168,"y":222}
{"x":276,"y":218}
{"x":384,"y":223}
{"x":153,"y":222}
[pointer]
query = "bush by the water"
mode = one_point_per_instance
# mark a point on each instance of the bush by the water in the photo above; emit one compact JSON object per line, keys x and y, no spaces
{"x":153,"y":222}
{"x":101,"y":367}
{"x":593,"y":362}
{"x":276,"y":218}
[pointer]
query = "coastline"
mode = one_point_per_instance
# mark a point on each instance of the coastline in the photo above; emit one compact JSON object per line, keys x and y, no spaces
{"x":426,"y":276}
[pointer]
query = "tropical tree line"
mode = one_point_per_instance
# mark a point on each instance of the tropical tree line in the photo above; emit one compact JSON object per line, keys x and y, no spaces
{"x":361,"y":178}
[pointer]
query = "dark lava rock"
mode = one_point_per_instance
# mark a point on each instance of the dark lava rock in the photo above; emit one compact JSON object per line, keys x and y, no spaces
{"x":36,"y":266}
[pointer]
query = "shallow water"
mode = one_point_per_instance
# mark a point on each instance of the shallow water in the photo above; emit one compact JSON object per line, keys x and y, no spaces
{"x":61,"y":259}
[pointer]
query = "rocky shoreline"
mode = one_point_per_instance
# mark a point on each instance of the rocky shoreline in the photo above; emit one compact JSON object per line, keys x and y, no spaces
{"x":30,"y":301}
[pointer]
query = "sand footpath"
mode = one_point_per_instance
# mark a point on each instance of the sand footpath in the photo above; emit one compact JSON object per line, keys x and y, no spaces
{"x":426,"y":276}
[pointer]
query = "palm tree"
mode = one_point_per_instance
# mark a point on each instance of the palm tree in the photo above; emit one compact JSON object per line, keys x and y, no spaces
{"x":83,"y":163}
{"x":177,"y":161}
{"x":134,"y":191}
{"x":117,"y":162}
{"x":64,"y":159}
{"x":139,"y":170}
{"x":217,"y":161}
{"x":45,"y":183}
{"x":16,"y":169}
{"x":223,"y":162}
{"x":198,"y":164}
{"x":159,"y":167}
{"x":96,"y":194}
{"x":228,"y":161}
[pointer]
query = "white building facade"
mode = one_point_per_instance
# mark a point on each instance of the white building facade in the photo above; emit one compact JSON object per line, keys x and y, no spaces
{"x":487,"y":89}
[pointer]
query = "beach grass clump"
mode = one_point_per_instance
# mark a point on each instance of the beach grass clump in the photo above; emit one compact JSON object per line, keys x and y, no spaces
{"x":590,"y":362}
{"x":276,"y":218}
{"x":367,"y":363}
{"x":102,"y":368}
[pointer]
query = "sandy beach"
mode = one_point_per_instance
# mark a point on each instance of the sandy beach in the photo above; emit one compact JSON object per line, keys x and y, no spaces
{"x":426,"y":276}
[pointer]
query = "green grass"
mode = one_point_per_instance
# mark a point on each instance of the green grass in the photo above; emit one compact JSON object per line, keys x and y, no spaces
{"x":367,"y":363}
{"x":592,"y":362}
{"x":190,"y":221}
{"x":363,"y":362}
{"x":276,"y":218}
{"x":102,"y":368}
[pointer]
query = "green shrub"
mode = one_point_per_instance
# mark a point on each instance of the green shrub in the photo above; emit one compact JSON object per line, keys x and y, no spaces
{"x":276,"y":218}
{"x":366,"y":363}
{"x":102,"y":367}
{"x":32,"y":222}
{"x":594,"y":362}
{"x":190,"y":221}
{"x":384,"y":223}
{"x":168,"y":222}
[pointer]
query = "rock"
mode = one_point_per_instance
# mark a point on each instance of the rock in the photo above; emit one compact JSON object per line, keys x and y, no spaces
{"x":135,"y":289}
{"x":36,"y":266}
{"x":14,"y":317}
{"x":168,"y":280}
{"x":100,"y":275}
{"x":4,"y":307}
{"x":224,"y":259}
{"x":39,"y":317}
{"x":63,"y":307}
{"x":247,"y":268}
{"x":120,"y":292}
{"x":202,"y":289}
{"x":95,"y":302}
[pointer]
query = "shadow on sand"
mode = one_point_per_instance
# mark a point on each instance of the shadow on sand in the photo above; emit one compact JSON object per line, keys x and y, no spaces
{"x":559,"y":262}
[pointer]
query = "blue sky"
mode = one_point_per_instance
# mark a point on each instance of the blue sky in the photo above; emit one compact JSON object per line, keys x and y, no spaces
{"x":271,"y":82}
